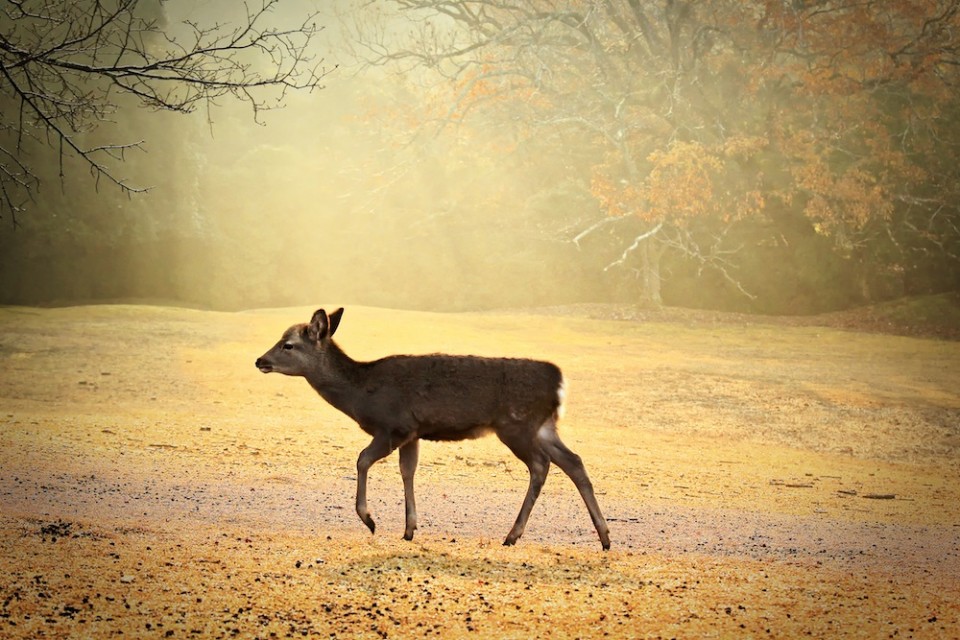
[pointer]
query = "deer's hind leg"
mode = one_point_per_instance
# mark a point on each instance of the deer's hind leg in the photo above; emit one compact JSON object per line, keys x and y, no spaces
{"x":572,"y":465}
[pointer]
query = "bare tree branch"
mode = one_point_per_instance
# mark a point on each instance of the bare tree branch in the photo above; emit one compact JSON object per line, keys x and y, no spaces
{"x":594,"y":227}
{"x":712,"y":257}
{"x":634,"y":245}
{"x":66,"y":65}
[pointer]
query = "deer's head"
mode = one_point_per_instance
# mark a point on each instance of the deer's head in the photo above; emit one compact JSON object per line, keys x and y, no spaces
{"x":301,"y":348}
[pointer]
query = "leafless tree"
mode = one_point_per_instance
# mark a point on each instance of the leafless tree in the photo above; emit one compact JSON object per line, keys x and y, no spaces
{"x":67,"y":67}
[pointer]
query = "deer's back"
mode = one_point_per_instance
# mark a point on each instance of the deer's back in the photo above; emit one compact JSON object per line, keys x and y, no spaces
{"x":458,"y":397}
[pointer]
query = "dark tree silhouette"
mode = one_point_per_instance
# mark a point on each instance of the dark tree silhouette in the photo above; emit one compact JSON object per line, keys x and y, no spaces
{"x":67,"y":67}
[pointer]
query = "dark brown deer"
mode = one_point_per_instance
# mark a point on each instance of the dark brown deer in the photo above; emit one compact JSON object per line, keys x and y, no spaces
{"x":400,"y":400}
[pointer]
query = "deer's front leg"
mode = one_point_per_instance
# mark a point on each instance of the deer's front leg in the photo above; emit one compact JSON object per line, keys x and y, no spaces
{"x":377,"y":450}
{"x":409,"y":454}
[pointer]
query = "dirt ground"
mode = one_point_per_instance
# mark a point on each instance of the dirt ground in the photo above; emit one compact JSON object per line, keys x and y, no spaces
{"x":760,"y":480}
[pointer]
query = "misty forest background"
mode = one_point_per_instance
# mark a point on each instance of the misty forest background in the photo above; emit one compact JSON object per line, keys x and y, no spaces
{"x":763,"y":156}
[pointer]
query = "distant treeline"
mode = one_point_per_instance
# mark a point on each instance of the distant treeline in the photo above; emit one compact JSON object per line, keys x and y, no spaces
{"x":79,"y":246}
{"x":257,"y":231}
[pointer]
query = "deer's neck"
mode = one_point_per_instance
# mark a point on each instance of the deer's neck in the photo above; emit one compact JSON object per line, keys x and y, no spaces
{"x":337,"y":379}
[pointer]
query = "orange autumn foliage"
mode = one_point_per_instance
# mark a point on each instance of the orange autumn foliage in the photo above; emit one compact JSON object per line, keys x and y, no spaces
{"x":686,"y":181}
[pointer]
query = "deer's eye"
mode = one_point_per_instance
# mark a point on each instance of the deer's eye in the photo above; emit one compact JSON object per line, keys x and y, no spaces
{"x":287,"y":346}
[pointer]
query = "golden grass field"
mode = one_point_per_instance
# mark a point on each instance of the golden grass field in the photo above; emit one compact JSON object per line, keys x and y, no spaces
{"x":761,"y":480}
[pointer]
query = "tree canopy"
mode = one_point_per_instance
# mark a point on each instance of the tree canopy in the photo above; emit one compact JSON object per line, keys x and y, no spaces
{"x":705,"y":117}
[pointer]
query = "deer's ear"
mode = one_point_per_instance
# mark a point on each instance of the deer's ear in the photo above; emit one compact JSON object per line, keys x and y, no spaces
{"x":334,"y":321}
{"x":319,"y":323}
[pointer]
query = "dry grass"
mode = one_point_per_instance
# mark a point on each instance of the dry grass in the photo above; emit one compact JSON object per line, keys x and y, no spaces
{"x":154,"y":484}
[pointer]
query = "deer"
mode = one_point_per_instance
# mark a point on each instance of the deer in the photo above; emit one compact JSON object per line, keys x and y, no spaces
{"x":401,"y":399}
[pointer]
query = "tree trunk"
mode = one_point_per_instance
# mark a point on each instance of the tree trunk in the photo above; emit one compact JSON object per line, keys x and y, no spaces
{"x":650,"y":253}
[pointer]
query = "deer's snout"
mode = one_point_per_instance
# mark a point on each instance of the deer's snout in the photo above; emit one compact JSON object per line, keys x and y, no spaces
{"x":264,"y":366}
